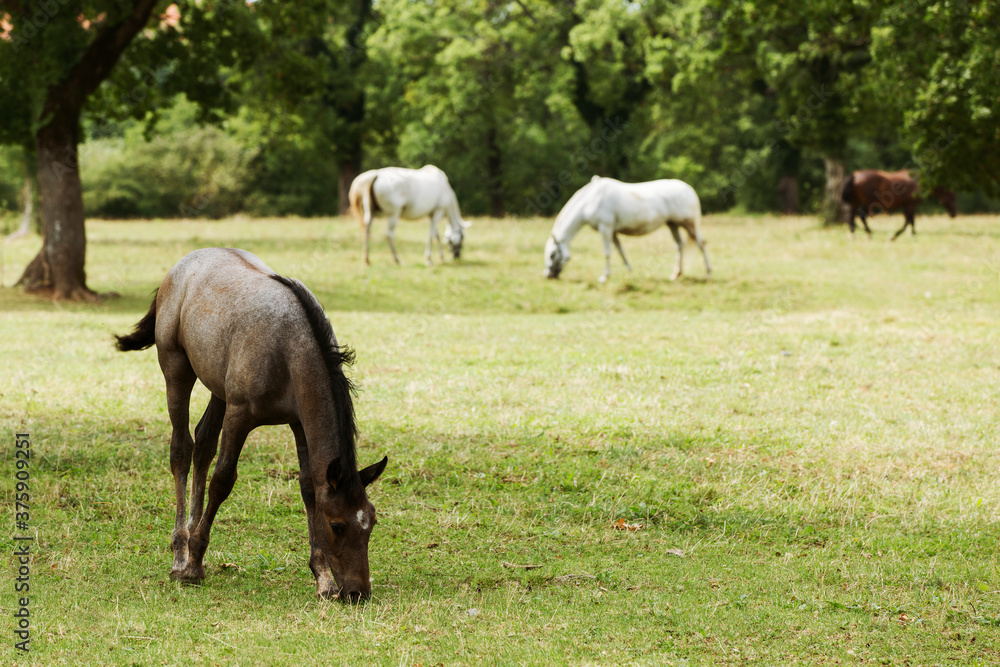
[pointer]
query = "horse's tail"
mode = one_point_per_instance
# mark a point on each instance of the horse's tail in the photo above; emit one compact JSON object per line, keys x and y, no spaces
{"x":144,"y":334}
{"x":848,"y":193}
{"x":360,"y":196}
{"x":694,"y":229}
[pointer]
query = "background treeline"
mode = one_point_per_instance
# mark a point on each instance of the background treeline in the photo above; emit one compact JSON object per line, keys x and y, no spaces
{"x":760,"y":106}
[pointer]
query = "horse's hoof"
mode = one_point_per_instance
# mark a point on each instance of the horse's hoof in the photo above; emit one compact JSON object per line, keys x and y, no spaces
{"x":602,"y":279}
{"x":675,"y":276}
{"x":188,"y":575}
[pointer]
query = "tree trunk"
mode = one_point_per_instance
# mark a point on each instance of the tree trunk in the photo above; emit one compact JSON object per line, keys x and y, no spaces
{"x":57,"y":271}
{"x":494,"y":175}
{"x":788,"y":194}
{"x":351,"y":106}
{"x":833,"y":206}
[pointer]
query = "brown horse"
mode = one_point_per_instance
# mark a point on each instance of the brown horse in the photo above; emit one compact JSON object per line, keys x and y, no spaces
{"x":869,"y":192}
{"x":264,"y":348}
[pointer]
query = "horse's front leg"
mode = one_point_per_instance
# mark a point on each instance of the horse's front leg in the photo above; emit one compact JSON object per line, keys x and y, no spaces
{"x":676,"y":233}
{"x":326,"y":585}
{"x":429,"y":250}
{"x":621,"y":251}
{"x":431,"y":235}
{"x":437,"y":233}
{"x":907,"y":221}
{"x":606,"y":235}
{"x":390,"y":235}
{"x":180,"y":380}
{"x":236,"y":425}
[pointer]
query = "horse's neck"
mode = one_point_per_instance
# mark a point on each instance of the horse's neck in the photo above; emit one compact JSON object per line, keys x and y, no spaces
{"x":451,"y":210}
{"x":567,"y":226}
{"x":318,"y":416}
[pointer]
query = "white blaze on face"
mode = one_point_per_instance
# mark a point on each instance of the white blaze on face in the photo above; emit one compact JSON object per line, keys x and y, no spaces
{"x":362,"y":520}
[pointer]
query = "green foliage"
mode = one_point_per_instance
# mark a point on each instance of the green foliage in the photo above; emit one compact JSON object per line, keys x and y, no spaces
{"x":11,"y":178}
{"x":521,"y":104}
{"x":178,"y":168}
{"x":943,"y":57}
{"x":184,"y":170}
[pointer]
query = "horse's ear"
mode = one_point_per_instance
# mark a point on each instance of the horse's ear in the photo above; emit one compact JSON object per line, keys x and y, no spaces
{"x":465,"y":224}
{"x":373,"y":472}
{"x":594,"y":178}
{"x":333,"y":474}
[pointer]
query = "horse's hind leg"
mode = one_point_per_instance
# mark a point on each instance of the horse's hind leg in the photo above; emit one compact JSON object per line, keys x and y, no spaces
{"x":180,"y":378}
{"x":390,"y":235}
{"x":236,"y":425}
{"x":206,"y":444}
{"x":676,"y":233}
{"x":606,"y":234}
{"x":326,"y":586}
{"x":618,"y":244}
{"x":694,"y":231}
{"x":864,"y":221}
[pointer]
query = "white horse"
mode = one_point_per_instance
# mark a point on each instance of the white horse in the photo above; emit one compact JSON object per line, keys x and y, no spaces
{"x":612,"y":208}
{"x":410,"y":194}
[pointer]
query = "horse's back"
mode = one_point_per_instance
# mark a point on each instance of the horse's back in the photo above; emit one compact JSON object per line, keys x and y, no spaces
{"x":888,"y":189}
{"x":413,"y":192}
{"x":639,"y":208}
{"x":221,"y":308}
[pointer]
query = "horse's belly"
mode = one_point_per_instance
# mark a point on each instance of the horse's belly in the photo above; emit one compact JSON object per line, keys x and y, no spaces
{"x":415,"y":211}
{"x":638,"y":231}
{"x":639,"y":227}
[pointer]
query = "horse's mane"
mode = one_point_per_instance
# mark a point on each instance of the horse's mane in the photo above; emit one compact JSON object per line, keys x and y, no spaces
{"x":335,"y":357}
{"x":572,"y":206}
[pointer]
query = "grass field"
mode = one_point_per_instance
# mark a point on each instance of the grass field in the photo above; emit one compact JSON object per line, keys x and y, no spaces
{"x":808,"y":443}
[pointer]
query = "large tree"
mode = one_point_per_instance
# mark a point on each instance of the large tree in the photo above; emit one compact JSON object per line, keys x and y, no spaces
{"x":938,"y":63}
{"x":810,"y":56}
{"x":482,"y":90}
{"x":60,"y":59}
{"x":309,"y":81}
{"x":70,"y":50}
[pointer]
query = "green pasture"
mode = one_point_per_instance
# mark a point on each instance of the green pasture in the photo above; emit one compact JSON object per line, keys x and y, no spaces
{"x":806,"y":446}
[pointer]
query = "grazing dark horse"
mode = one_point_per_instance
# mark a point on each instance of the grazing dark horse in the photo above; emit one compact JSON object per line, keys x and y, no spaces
{"x":264,"y":348}
{"x":869,"y":192}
